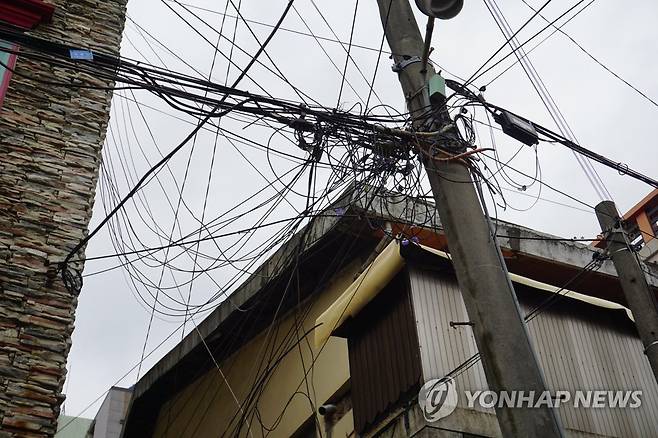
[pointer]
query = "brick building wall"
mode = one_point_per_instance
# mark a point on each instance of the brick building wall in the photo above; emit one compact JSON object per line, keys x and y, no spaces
{"x":50,"y":153}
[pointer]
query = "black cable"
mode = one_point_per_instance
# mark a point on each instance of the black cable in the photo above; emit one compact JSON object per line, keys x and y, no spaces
{"x":479,"y":73}
{"x":379,"y":55}
{"x":176,"y":149}
{"x":546,"y":38}
{"x":547,"y":99}
{"x":474,"y":75}
{"x":347,"y":57}
{"x":606,"y":68}
{"x":557,"y":295}
{"x":619,"y":167}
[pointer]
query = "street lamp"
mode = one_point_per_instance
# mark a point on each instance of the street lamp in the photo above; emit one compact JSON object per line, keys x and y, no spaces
{"x":443,"y":9}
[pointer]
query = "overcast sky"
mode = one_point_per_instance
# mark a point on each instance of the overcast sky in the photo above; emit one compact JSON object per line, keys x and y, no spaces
{"x":605,"y":115}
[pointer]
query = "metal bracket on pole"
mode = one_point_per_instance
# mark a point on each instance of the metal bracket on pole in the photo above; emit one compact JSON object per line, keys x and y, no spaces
{"x":455,"y":324}
{"x":408,"y":60}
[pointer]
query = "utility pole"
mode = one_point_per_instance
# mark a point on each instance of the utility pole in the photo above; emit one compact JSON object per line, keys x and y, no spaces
{"x":638,"y":293}
{"x":500,"y":333}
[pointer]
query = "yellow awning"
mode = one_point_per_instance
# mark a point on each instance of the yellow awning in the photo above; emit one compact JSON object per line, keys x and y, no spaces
{"x":599,"y":302}
{"x":387,"y":264}
{"x":366,"y":287}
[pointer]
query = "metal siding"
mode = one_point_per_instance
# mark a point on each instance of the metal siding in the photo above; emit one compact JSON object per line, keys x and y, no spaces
{"x":579,"y":347}
{"x":383,"y":354}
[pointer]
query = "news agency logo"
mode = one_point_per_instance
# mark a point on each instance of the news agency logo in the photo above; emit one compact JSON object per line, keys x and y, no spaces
{"x":437,"y":398}
{"x":542,"y":399}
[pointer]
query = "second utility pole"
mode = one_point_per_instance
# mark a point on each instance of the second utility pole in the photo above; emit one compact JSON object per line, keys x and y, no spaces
{"x":508,"y":358}
{"x":638,"y":293}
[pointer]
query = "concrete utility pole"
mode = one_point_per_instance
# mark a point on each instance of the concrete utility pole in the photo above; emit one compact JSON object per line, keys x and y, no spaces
{"x":638,"y":293}
{"x":507,"y":355}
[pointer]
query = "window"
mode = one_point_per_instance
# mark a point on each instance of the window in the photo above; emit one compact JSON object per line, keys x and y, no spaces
{"x":22,"y":15}
{"x":7,"y":64}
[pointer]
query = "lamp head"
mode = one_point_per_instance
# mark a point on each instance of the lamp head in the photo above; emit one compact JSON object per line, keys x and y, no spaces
{"x":443,"y":9}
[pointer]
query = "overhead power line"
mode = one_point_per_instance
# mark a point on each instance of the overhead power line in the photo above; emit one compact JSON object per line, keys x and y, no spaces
{"x":553,"y":136}
{"x":546,"y":97}
{"x":546,"y":38}
{"x":215,"y":113}
{"x":475,"y":75}
{"x":593,"y":58}
{"x":481,"y":71}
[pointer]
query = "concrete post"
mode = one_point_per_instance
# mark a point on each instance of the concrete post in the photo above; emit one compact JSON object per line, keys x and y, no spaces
{"x":507,"y":355}
{"x":638,"y":293}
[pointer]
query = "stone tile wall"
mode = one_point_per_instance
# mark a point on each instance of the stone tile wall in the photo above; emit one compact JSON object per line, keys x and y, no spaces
{"x":50,"y":154}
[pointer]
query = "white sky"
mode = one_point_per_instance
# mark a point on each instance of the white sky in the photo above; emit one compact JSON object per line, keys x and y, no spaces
{"x":606,"y":116}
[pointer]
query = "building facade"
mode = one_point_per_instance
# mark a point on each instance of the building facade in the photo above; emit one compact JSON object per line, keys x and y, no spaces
{"x":50,"y":154}
{"x":109,"y":419}
{"x":642,"y":224}
{"x":73,"y":427}
{"x":373,"y":319}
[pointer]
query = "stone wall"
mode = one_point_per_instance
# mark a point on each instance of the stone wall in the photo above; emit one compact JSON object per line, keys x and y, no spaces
{"x":50,"y":153}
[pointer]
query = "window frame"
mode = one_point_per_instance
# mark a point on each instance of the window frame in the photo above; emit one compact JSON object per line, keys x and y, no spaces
{"x":7,"y":66}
